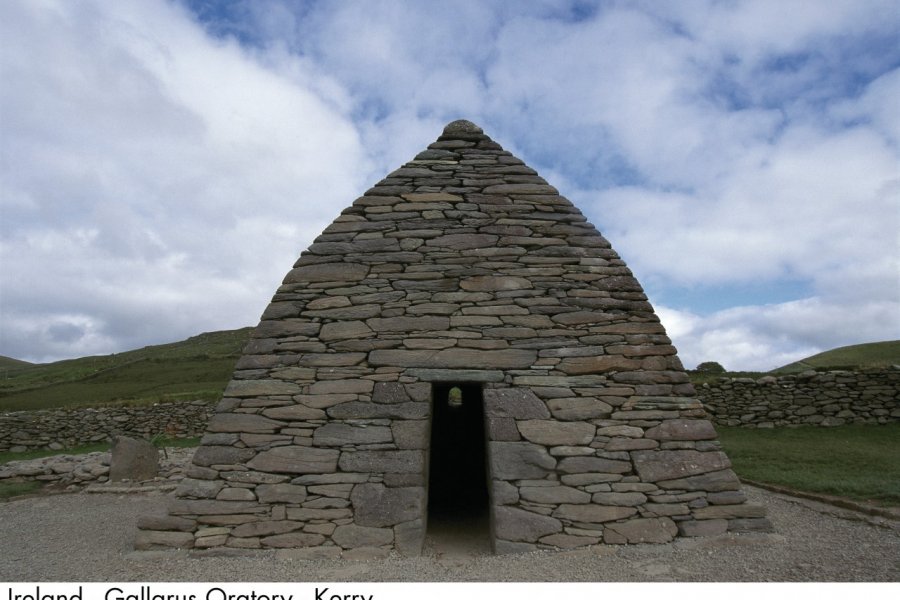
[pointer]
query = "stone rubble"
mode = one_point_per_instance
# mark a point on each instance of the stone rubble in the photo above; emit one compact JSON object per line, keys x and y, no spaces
{"x":462,"y":266}
{"x":74,"y":472}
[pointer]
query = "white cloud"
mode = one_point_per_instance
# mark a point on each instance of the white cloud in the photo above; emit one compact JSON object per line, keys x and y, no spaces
{"x":715,"y":144}
{"x":156,"y":182}
{"x":761,"y":338}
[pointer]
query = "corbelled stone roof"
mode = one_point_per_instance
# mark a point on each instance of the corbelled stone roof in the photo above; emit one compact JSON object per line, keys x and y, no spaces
{"x":466,"y":238}
{"x":464,"y":266}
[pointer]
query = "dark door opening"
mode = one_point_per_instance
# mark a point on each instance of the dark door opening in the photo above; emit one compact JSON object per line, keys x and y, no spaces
{"x":457,"y":491}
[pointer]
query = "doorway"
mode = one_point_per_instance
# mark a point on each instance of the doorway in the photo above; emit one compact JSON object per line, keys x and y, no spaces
{"x":458,"y":505}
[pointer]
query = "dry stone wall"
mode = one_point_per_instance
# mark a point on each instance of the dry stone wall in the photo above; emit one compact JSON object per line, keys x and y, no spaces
{"x":60,"y":429}
{"x":462,"y":266}
{"x":824,"y":399}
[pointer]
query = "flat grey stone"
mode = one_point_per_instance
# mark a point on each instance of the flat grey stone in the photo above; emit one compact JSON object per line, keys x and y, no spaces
{"x":273,"y":493}
{"x":590,"y":464}
{"x":727,"y":497}
{"x":199,"y":488}
{"x":213,"y":507}
{"x":503,"y":492}
{"x":619,"y":498}
{"x":342,"y":434}
{"x":470,"y":375}
{"x":703,"y":528}
{"x":389,"y":392}
{"x":556,"y":433}
{"x":295,"y":412}
{"x":564,"y":541}
{"x":263,"y":528}
{"x":643,"y":531}
{"x":682,"y":429}
{"x":342,"y":386}
{"x":166,"y":523}
{"x":355,"y":536}
{"x":593,"y":513}
{"x":133,"y":459}
{"x":241,"y":423}
{"x":578,"y":409}
{"x":488,"y":283}
{"x":370,"y":410}
{"x":558,"y":494}
{"x":519,"y":460}
{"x":411,"y":435}
{"x":515,"y":403}
{"x":405,"y":324}
{"x":517,"y":525}
{"x":382,"y":461}
{"x":409,"y":537}
{"x":502,"y":429}
{"x":344,"y":330}
{"x":750,"y":525}
{"x":260,"y":387}
{"x":659,"y":465}
{"x":252,"y":477}
{"x":324,"y":514}
{"x":375,"y":505}
{"x":296,"y":459}
{"x":327,"y":272}
{"x":454,"y":358}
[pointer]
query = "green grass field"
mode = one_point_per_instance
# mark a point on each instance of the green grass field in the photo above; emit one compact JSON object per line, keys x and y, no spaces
{"x":861,"y":462}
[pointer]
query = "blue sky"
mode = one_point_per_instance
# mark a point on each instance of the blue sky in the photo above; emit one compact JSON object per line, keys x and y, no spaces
{"x":164,"y":162}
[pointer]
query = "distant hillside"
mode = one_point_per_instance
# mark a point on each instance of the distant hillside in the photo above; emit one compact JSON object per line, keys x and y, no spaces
{"x":12,"y":363}
{"x":197,"y":368}
{"x":859,"y":356}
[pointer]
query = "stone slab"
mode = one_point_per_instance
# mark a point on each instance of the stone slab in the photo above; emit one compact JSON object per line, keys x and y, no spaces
{"x":593,"y":513}
{"x":515,"y":403}
{"x":454,"y":358}
{"x":643,"y":531}
{"x":343,"y":434}
{"x":519,"y":460}
{"x":517,"y":525}
{"x":556,"y":433}
{"x":660,"y":465}
{"x":296,"y":459}
{"x":355,"y":536}
{"x":382,"y":461}
{"x":682,"y":429}
{"x":375,"y":505}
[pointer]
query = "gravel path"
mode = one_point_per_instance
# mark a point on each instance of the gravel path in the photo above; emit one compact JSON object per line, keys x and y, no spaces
{"x":88,"y":537}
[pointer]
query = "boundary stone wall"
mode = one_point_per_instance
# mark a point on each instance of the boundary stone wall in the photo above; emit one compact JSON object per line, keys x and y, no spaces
{"x":65,"y":428}
{"x":819,"y":398}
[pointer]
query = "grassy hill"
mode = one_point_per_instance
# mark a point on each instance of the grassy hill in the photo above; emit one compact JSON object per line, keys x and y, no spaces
{"x":197,"y":368}
{"x":12,"y":363}
{"x":859,"y":356}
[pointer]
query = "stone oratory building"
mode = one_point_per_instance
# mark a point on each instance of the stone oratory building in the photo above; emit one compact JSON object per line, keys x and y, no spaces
{"x":460,"y":346}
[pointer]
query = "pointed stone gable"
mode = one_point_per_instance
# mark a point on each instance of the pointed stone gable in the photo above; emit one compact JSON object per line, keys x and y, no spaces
{"x":462,"y":266}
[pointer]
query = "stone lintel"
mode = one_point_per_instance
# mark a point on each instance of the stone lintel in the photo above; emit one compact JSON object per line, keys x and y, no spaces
{"x":456,"y":375}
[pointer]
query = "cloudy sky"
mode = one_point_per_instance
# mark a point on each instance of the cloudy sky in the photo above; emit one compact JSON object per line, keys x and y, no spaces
{"x":164,"y":162}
